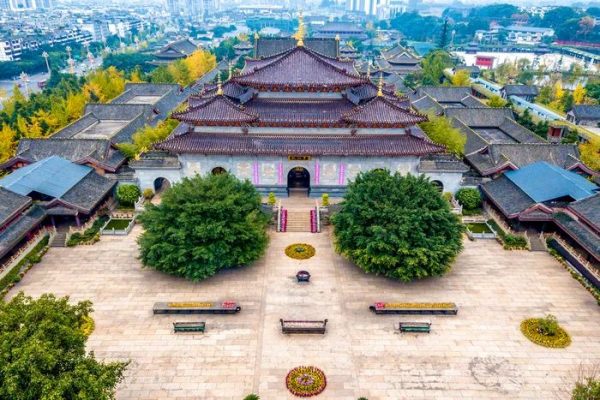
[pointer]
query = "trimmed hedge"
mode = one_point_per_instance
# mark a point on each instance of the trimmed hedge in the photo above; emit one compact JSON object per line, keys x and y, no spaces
{"x":18,"y":271}
{"x":532,"y":329}
{"x":508,"y":240}
{"x":90,"y":235}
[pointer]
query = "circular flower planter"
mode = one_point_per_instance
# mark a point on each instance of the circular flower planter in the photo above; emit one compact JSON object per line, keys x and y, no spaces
{"x":305,"y":381}
{"x":300,"y":251}
{"x":531,"y":329}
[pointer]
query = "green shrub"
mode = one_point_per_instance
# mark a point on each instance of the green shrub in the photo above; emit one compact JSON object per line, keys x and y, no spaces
{"x":532,"y":329}
{"x":469,"y":198}
{"x":548,"y":325}
{"x":128,"y":194}
{"x":325,"y":199}
{"x":508,"y":240}
{"x":447,"y":196}
{"x":14,"y":275}
{"x":148,"y":194}
{"x":272,"y":199}
{"x":397,"y":226}
{"x":90,"y":235}
{"x":252,"y":397}
{"x":212,"y":222}
{"x":587,"y":388}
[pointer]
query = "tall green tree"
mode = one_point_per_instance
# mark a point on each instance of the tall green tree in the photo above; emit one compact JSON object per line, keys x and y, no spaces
{"x":203,"y":225}
{"x":440,"y":130}
{"x":433,"y":67}
{"x":397,"y":226}
{"x":42,"y":352}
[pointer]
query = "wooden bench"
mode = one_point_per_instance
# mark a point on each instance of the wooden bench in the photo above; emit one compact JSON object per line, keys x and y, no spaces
{"x":226,"y":307}
{"x":199,"y":326}
{"x":290,"y":326}
{"x":424,"y":327}
{"x":415,"y":309}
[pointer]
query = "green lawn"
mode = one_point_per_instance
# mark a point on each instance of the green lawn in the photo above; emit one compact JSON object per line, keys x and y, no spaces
{"x":479,"y":227}
{"x":118,"y":224}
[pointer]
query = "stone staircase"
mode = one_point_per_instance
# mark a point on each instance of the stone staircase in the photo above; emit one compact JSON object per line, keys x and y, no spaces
{"x":298,"y":221}
{"x":535,"y":243}
{"x":59,"y":239}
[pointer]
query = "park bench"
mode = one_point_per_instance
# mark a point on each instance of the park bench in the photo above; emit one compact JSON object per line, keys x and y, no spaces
{"x":303,"y":276}
{"x":196,"y":307}
{"x":424,"y":327}
{"x":199,"y":326}
{"x":289,"y":326}
{"x":415,"y":308}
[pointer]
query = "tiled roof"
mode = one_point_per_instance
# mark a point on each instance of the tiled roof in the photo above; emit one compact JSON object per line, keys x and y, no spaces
{"x":522,"y":154}
{"x":179,"y":49}
{"x":581,"y":233}
{"x":589,"y":209}
{"x":371,"y":145}
{"x":217,"y":110}
{"x":81,"y":151}
{"x":521,"y":90}
{"x":300,"y":113}
{"x":11,"y":204}
{"x":441,"y":163}
{"x":381,"y":112}
{"x":17,"y":230}
{"x":507,"y":196}
{"x":89,"y":192}
{"x":267,"y":47}
{"x":299,"y":70}
{"x":586,"y":111}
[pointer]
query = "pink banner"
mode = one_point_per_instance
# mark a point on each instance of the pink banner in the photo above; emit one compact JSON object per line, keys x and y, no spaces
{"x":280,"y":173}
{"x":255,"y":173}
{"x":342,"y":175}
{"x":317,"y":172}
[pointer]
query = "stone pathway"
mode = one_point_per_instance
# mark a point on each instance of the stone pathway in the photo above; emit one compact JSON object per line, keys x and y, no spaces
{"x":479,"y":354}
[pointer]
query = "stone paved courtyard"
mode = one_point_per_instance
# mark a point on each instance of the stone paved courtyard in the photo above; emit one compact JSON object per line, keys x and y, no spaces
{"x":479,"y":354}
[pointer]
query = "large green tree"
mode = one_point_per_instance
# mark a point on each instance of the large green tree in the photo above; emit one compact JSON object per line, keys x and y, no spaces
{"x":203,"y":225}
{"x":397,"y":226}
{"x":42,"y":352}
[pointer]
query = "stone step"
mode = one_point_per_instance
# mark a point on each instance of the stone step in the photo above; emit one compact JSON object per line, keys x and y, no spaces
{"x":59,"y":240}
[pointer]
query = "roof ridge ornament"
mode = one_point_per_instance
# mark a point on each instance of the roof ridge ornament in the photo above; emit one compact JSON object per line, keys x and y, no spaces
{"x":380,"y":86}
{"x":219,"y":85}
{"x":299,"y":35}
{"x":230,"y":70}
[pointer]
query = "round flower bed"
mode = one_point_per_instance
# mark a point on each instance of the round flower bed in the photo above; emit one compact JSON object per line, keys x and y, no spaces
{"x":305,"y":381}
{"x":531,"y":328}
{"x":300,"y":251}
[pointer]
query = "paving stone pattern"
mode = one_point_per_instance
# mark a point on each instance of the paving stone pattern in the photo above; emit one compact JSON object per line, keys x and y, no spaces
{"x":479,"y":354}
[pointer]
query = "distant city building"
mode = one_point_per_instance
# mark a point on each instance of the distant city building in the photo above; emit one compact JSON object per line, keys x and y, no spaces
{"x":342,"y":30}
{"x":25,"y":5}
{"x":369,"y":7}
{"x":10,"y":50}
{"x":527,"y":34}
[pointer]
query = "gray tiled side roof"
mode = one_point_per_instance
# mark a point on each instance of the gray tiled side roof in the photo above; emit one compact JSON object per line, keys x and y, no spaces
{"x":589,"y":209}
{"x":521,"y":154}
{"x":441,"y":163}
{"x":89,"y":192}
{"x":76,"y":126}
{"x":11,"y":204}
{"x":484,"y":117}
{"x":426,"y":104}
{"x":17,"y":230}
{"x":474,"y":141}
{"x":519,"y":132}
{"x":521,"y":90}
{"x":507,"y":196}
{"x":586,"y":111}
{"x":119,"y":112}
{"x":71,"y":149}
{"x":580,"y":232}
{"x":446,"y":93}
{"x":156,"y":159}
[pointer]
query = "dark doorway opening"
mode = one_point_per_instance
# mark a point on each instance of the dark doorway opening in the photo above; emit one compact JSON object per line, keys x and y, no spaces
{"x":298,"y":179}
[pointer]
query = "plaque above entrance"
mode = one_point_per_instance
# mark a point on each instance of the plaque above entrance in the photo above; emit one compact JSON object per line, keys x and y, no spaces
{"x":299,"y":158}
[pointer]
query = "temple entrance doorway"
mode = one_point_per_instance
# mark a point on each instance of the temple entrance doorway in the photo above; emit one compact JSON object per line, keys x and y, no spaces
{"x":298,"y":181}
